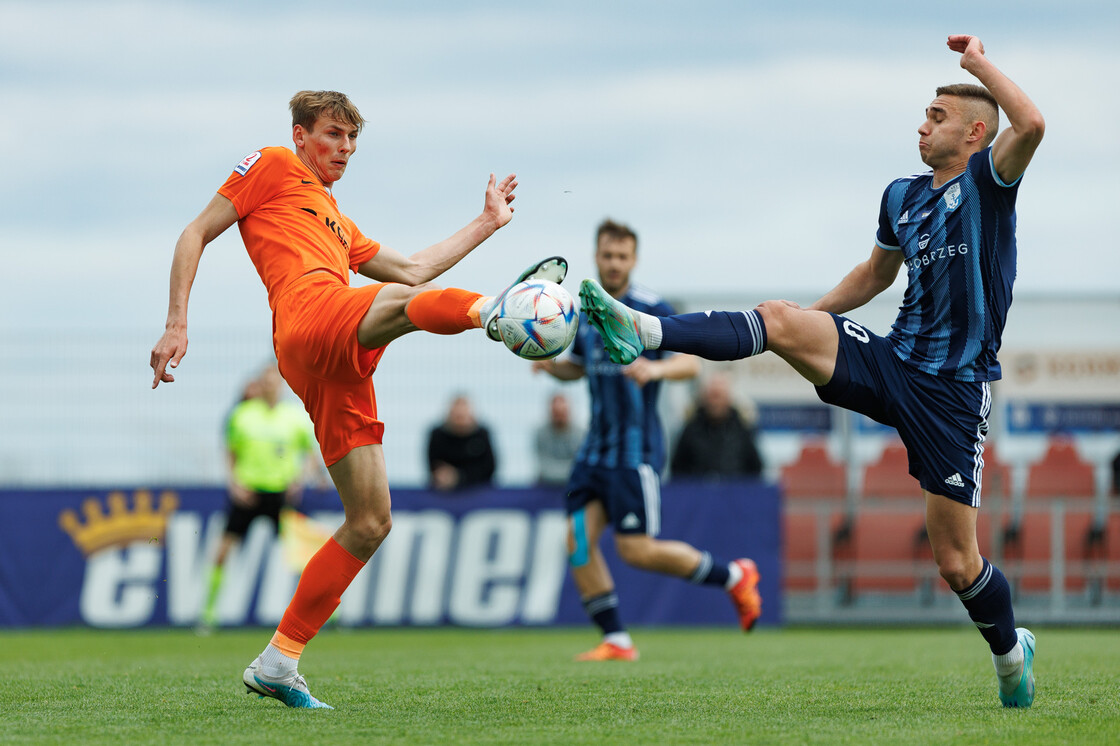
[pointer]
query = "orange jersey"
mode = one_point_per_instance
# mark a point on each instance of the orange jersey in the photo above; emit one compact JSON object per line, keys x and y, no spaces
{"x":290,"y":223}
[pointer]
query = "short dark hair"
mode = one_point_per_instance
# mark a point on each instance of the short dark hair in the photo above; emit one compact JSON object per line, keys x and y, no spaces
{"x":982,"y":106}
{"x":616,"y":232}
{"x":308,"y":106}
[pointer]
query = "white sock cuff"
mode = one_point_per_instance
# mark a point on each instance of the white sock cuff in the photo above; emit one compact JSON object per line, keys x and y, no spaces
{"x":621,"y":639}
{"x":649,"y":328}
{"x":1010,"y":662}
{"x":275,"y":662}
{"x":734,"y":575}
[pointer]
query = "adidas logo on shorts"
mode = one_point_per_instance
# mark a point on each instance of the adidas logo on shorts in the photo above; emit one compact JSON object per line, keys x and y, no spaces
{"x":955,"y":481}
{"x":630,"y":521}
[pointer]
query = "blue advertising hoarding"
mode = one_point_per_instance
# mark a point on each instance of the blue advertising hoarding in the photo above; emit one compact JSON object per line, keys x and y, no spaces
{"x":487,"y":558}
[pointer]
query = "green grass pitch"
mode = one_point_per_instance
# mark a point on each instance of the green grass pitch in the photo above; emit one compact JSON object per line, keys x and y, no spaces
{"x":455,"y":686}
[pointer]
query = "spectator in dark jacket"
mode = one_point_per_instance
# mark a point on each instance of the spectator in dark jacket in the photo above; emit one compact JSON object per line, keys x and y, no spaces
{"x":460,"y":453}
{"x":717,"y":441}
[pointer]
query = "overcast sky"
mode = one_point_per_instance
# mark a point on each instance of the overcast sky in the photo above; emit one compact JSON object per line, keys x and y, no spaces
{"x":747,"y":145}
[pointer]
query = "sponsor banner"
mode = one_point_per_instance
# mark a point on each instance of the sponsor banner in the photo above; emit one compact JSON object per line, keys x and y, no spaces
{"x":1061,"y":375}
{"x":487,"y":558}
{"x":1079,"y":417}
{"x":801,"y":418}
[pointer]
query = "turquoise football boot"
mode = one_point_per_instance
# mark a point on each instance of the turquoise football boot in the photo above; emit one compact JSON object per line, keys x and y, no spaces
{"x":291,"y":690}
{"x":1023,"y":693}
{"x":616,"y":323}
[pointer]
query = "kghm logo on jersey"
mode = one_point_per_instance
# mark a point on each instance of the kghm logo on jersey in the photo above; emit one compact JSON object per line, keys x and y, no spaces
{"x":953,"y":197}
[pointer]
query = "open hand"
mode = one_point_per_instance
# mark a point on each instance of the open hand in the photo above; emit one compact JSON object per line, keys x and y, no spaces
{"x":499,"y":196}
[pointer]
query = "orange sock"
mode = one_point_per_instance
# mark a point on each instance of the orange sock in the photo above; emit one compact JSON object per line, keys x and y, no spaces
{"x":318,"y":594}
{"x":447,"y":311}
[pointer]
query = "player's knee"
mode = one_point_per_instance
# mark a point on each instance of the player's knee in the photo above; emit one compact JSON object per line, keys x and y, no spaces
{"x":955,"y":569}
{"x":779,"y":317}
{"x":372,"y":528}
{"x":405,"y":294}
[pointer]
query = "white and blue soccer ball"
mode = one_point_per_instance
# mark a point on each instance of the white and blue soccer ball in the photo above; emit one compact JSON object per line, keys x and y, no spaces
{"x":537,"y":319}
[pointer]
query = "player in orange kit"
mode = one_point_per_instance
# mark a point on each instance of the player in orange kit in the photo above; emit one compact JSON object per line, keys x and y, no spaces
{"x":329,"y":336}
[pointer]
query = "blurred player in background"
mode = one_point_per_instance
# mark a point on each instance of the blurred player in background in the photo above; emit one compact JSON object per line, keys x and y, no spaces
{"x":329,"y":336}
{"x":953,"y":228}
{"x":270,"y":451}
{"x":616,"y":477}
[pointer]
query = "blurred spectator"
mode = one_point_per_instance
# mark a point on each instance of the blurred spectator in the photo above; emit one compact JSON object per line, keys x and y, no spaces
{"x":460,"y":453}
{"x":717,"y":441}
{"x":1116,"y":475}
{"x":271,"y":453}
{"x":556,"y":443}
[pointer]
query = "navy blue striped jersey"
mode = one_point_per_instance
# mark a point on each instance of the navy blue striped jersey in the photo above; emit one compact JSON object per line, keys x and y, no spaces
{"x":958,"y":241}
{"x":625,"y":429}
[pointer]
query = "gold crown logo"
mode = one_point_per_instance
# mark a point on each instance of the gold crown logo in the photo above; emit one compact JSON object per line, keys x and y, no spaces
{"x":120,"y":526}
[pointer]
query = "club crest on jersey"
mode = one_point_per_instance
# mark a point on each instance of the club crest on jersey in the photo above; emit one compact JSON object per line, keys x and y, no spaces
{"x":247,"y":163}
{"x":953,"y":197}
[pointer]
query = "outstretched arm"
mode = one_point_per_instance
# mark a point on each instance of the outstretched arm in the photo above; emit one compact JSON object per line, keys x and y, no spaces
{"x":427,"y":264}
{"x":863,"y":283}
{"x":1015,"y":146}
{"x":211,"y":223}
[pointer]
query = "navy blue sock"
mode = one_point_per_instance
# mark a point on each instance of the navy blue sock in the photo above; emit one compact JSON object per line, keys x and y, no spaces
{"x":603,"y":610}
{"x":988,"y":601}
{"x":710,"y":572}
{"x":715,"y":335}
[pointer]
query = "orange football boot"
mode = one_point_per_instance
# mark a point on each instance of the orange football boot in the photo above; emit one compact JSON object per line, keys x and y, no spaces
{"x":745,"y":595}
{"x":606,"y":651}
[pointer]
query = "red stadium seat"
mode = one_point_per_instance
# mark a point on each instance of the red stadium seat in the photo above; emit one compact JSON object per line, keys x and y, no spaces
{"x":1028,"y":550}
{"x":997,"y":475}
{"x":1112,"y":551}
{"x":889,"y":551}
{"x":799,"y":530}
{"x":814,"y":476}
{"x":1061,"y":472}
{"x":889,"y":477}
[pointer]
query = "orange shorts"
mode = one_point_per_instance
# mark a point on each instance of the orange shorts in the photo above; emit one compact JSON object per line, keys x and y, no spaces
{"x":315,"y":335}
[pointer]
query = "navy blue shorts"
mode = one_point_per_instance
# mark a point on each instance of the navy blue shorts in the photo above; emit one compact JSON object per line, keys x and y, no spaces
{"x":942,"y":422}
{"x":630,"y":497}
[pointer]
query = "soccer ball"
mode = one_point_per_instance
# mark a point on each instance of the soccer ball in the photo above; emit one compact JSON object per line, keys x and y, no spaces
{"x":537,"y":319}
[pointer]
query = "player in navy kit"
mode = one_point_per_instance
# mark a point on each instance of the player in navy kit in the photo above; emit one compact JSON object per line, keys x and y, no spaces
{"x":616,"y":476}
{"x":953,"y":228}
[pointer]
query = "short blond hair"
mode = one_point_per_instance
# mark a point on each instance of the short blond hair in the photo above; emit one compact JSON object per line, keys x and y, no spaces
{"x":308,"y":106}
